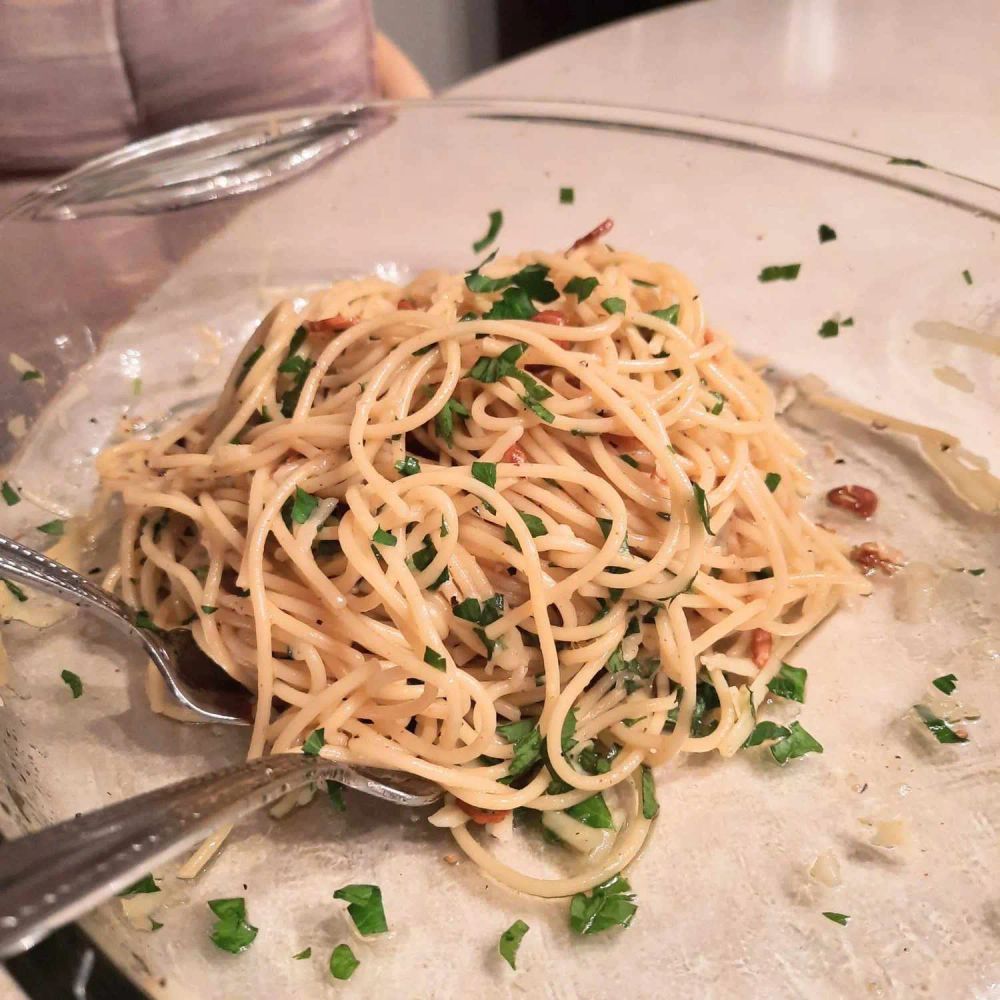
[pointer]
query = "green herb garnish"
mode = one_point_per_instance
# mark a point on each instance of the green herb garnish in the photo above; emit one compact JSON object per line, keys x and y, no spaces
{"x":335,"y":794}
{"x":209,"y":609}
{"x":444,"y":422}
{"x":408,"y":466}
{"x":34,"y":375}
{"x":303,"y":506}
{"x":611,"y":904}
{"x":19,"y":594}
{"x":74,"y":682}
{"x":251,"y":360}
{"x":53,"y":527}
{"x":231,"y":931}
{"x":789,"y":682}
{"x":765,"y":730}
{"x":496,"y":221}
{"x":630,"y":461}
{"x":943,"y":733}
{"x":614,"y":305}
{"x":365,"y":907}
{"x":9,"y":494}
{"x":779,"y":272}
{"x":383,"y":537}
{"x":305,"y":953}
{"x":535,"y":525}
{"x":830,"y":328}
{"x":650,"y":807}
{"x":837,"y":918}
{"x":946,"y":684}
{"x":145,"y":885}
{"x":721,"y":402}
{"x":592,"y":812}
{"x":581,"y":287}
{"x":527,"y":740}
{"x":315,"y":742}
{"x":701,"y":504}
{"x":826,"y":233}
{"x":669,"y":315}
{"x":796,"y":744}
{"x":772,"y":481}
{"x":434,"y":659}
{"x":514,"y":303}
{"x":907,"y":161}
{"x":342,"y":962}
{"x":967,"y":275}
{"x":566,"y":197}
{"x":510,"y":940}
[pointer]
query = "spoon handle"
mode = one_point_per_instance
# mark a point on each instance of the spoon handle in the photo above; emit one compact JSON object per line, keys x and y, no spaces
{"x":52,"y":877}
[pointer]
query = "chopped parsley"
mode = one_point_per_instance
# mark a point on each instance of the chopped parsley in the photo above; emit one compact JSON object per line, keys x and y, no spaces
{"x":720,"y":403}
{"x":496,"y":221}
{"x":305,"y":953}
{"x":701,"y":503}
{"x":837,"y":918}
{"x":514,"y":303}
{"x":943,"y":733}
{"x":251,"y":360}
{"x":830,"y":328}
{"x":484,"y":614}
{"x":779,"y":272}
{"x":146,"y":884}
{"x":580,"y":287}
{"x":614,"y":305}
{"x":967,"y":275}
{"x":342,"y":962}
{"x":650,"y":807}
{"x":142,"y":619}
{"x":444,"y":422}
{"x":946,"y":683}
{"x":826,"y":233}
{"x":566,"y":197}
{"x":154,"y":925}
{"x":383,"y":537}
{"x":765,"y":730}
{"x":231,"y":931}
{"x":907,"y":161}
{"x":629,"y":460}
{"x":789,"y":682}
{"x":423,"y":557}
{"x":510,"y":940}
{"x":336,"y":796}
{"x":486,"y":473}
{"x":611,"y":904}
{"x":592,"y":812}
{"x":772,"y":481}
{"x":19,"y":594}
{"x":527,"y":740}
{"x":493,"y":369}
{"x":364,"y":904}
{"x":34,"y":375}
{"x":976,"y":572}
{"x":73,"y":681}
{"x":535,"y":525}
{"x":315,"y":742}
{"x":303,"y":506}
{"x":434,"y":659}
{"x":796,"y":744}
{"x":9,"y":494}
{"x":669,"y":315}
{"x":209,"y":609}
{"x":56,"y":527}
{"x":408,"y":466}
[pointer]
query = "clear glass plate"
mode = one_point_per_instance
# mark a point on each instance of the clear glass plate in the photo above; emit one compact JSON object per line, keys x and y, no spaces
{"x":153,"y":264}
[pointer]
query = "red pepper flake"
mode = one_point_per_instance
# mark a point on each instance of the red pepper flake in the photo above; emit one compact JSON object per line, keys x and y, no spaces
{"x":601,"y":229}
{"x":551,"y":316}
{"x":858,"y":499}
{"x":482,"y":816}
{"x":761,"y":642}
{"x":332,"y":324}
{"x":871,"y":556}
{"x":515,"y":455}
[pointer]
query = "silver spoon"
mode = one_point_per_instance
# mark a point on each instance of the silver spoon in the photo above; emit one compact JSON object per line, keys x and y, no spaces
{"x":52,"y":877}
{"x":195,"y":680}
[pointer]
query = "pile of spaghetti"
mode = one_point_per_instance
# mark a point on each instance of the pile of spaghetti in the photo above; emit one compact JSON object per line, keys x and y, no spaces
{"x":530,"y":532}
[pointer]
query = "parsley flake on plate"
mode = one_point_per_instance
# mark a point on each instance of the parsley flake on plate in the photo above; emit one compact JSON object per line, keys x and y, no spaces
{"x":9,"y":494}
{"x":342,"y":962}
{"x":967,"y":275}
{"x":946,"y":683}
{"x":943,"y":733}
{"x":73,"y":682}
{"x":15,"y":590}
{"x":789,"y":682}
{"x":56,"y":527}
{"x":566,"y":196}
{"x":510,"y":941}
{"x":907,"y":161}
{"x":779,"y":272}
{"x":146,"y":884}
{"x":364,"y":904}
{"x":837,"y":918}
{"x":826,"y":233}
{"x":765,"y":730}
{"x":496,"y":221}
{"x":231,"y":932}
{"x":611,"y":904}
{"x":305,"y":953}
{"x":650,"y":807}
{"x":796,"y":744}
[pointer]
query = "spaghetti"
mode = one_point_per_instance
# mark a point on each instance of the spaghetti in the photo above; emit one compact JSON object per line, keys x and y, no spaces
{"x":527,"y":532}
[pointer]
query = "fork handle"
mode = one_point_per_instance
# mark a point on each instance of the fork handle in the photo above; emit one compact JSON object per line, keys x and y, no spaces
{"x":52,"y":877}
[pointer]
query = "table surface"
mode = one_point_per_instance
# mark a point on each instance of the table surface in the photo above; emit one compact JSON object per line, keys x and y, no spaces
{"x":914,"y":78}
